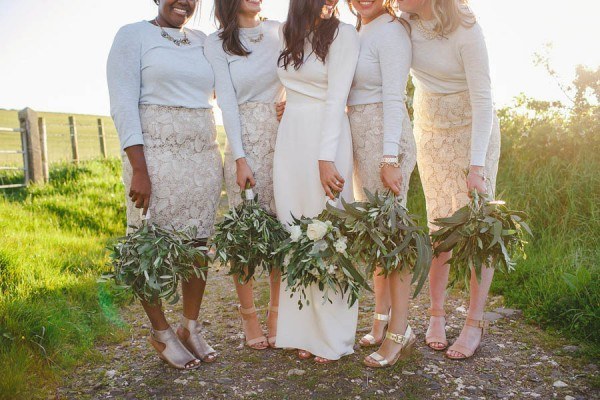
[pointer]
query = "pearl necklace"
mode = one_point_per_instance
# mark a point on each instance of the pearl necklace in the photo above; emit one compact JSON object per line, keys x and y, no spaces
{"x":426,"y":32}
{"x":178,"y":42}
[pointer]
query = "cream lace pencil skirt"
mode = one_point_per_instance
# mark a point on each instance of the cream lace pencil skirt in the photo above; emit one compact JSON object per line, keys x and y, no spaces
{"x":259,"y":134}
{"x":366,"y":123}
{"x":443,"y":136}
{"x":185,"y":168}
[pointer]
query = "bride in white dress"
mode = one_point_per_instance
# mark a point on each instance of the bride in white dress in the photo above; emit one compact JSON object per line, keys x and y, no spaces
{"x":313,"y":158}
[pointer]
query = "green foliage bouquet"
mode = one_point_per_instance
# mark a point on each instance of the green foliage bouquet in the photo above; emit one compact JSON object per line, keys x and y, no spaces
{"x":151,"y":260}
{"x":383,"y":234}
{"x":316,"y":253}
{"x":248,"y":238}
{"x":485,"y":231}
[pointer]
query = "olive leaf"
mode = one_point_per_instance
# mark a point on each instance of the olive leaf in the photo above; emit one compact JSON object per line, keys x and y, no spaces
{"x":151,"y":260}
{"x":383,"y":234}
{"x":484,"y":232}
{"x":247,"y":238}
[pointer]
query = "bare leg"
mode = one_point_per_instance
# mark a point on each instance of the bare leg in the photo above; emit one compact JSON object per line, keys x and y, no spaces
{"x":274,"y":284}
{"x":252,"y":328}
{"x":470,"y":336}
{"x":156,"y":316}
{"x":193,"y":292}
{"x":438,"y":281}
{"x":383,"y":302}
{"x":399,"y":290}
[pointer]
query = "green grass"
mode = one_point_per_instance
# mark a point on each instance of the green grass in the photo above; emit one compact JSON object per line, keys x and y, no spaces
{"x":51,"y":252}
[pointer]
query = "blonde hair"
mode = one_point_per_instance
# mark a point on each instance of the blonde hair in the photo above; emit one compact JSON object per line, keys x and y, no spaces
{"x":449,"y":15}
{"x":389,"y":5}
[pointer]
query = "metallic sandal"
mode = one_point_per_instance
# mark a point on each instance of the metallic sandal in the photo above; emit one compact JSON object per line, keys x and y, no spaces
{"x":195,"y":342}
{"x":259,"y":343}
{"x":369,"y":340}
{"x":465,"y":352}
{"x":431,"y":339}
{"x":407,"y":341}
{"x":272,"y":339}
{"x":174,"y":353}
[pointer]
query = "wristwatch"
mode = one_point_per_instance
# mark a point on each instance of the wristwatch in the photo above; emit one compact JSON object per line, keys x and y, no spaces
{"x":391,"y":161}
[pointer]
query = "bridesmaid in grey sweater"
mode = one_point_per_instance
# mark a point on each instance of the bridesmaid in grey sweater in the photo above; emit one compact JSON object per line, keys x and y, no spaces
{"x":243,"y":54}
{"x":160,"y":85}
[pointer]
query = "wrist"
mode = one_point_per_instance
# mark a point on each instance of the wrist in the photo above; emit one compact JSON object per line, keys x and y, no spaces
{"x":389,"y":161}
{"x":241,"y":161}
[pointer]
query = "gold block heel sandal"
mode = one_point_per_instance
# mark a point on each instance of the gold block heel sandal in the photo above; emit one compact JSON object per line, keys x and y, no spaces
{"x":433,"y":339}
{"x":369,"y":340}
{"x":407,"y":342}
{"x":174,"y":352}
{"x":465,"y":352}
{"x":195,"y":342}
{"x":258,"y":343}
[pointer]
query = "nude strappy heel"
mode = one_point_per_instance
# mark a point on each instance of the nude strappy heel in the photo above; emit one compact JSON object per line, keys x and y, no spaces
{"x":465,"y":351}
{"x":174,"y":353}
{"x":259,"y":343}
{"x":272,"y":339}
{"x":195,"y":342}
{"x":407,"y":342}
{"x":369,"y":340}
{"x":431,"y":339}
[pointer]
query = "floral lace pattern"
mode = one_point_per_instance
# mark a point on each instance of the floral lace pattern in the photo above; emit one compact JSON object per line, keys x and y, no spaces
{"x":443,"y":135}
{"x":366,"y":122}
{"x":185,"y":168}
{"x":259,"y":133}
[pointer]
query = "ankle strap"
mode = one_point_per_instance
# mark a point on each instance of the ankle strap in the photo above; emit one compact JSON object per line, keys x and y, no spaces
{"x":247,"y":311}
{"x":381,"y":317}
{"x":478,"y":323}
{"x":162,"y":336}
{"x":273,"y":309}
{"x":436,"y":312}
{"x":188,"y":324}
{"x":399,"y":338}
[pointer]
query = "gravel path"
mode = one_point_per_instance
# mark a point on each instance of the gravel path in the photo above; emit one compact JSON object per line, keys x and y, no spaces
{"x":517,"y":361}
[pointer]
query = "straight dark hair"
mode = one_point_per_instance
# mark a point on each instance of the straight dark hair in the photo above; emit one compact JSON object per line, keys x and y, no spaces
{"x":304,"y":22}
{"x":226,"y":16}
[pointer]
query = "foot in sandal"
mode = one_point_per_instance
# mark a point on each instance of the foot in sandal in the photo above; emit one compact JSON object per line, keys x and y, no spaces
{"x":435,"y":337}
{"x":255,"y":338}
{"x":469,"y":339}
{"x":190,"y":334}
{"x":394,"y":347}
{"x":171,"y":350}
{"x":375,"y":337}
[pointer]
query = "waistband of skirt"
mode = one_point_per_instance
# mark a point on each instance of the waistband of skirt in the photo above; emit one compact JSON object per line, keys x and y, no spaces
{"x":367,"y":105}
{"x":297,"y":98}
{"x":424,"y":93}
{"x":160,"y":107}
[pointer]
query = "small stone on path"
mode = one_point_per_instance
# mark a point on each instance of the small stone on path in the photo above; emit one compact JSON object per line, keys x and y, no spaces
{"x":559,"y":384}
{"x":492,"y":316}
{"x":181,"y":381}
{"x":111,"y":373}
{"x":295,"y":371}
{"x":571,"y":349}
{"x":567,"y":397}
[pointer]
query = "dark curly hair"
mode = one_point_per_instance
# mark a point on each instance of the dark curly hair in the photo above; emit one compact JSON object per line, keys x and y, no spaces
{"x":157,"y":2}
{"x":300,"y":26}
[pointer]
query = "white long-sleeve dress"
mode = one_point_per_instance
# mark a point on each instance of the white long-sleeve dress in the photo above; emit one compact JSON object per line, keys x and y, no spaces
{"x":315,"y":127}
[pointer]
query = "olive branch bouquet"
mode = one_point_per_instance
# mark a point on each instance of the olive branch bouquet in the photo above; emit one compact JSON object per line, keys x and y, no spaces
{"x":316,"y":253}
{"x":247,"y":238}
{"x":485,"y":231}
{"x":151,"y":260}
{"x":383,"y":234}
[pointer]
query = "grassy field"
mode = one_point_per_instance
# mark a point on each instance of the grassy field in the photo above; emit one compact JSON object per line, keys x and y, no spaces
{"x":53,"y":239}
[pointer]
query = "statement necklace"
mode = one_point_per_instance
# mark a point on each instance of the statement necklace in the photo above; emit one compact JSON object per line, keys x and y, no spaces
{"x":178,"y":42}
{"x":428,"y":33}
{"x":255,"y":39}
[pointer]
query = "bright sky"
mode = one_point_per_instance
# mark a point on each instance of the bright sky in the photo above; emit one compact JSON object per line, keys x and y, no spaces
{"x":54,"y":52}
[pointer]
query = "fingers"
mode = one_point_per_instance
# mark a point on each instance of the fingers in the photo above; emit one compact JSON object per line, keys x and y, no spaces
{"x":335,"y":184}
{"x":328,"y":191}
{"x":146,"y":205}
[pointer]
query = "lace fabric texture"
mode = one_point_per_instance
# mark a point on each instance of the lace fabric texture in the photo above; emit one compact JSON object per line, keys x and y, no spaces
{"x":443,"y":136}
{"x":366,"y":123}
{"x":185,"y":168}
{"x":259,"y":134}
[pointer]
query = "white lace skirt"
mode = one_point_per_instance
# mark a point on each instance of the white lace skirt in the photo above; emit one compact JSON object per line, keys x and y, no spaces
{"x":366,"y":123}
{"x":185,"y":168}
{"x":443,"y":135}
{"x":259,"y":134}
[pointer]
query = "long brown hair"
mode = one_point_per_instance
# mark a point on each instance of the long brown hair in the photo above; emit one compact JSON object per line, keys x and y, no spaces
{"x":304,"y":22}
{"x":226,"y":16}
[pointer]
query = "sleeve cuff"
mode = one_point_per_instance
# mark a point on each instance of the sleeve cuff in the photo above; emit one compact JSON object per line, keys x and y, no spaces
{"x":327,"y":156}
{"x":478,"y":159}
{"x":390,"y":149}
{"x":132,"y":140}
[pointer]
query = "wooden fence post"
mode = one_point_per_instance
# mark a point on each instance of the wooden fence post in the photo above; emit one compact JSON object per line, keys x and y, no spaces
{"x":32,"y":156}
{"x":101,"y":137}
{"x":44,"y":147}
{"x":74,"y":145}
